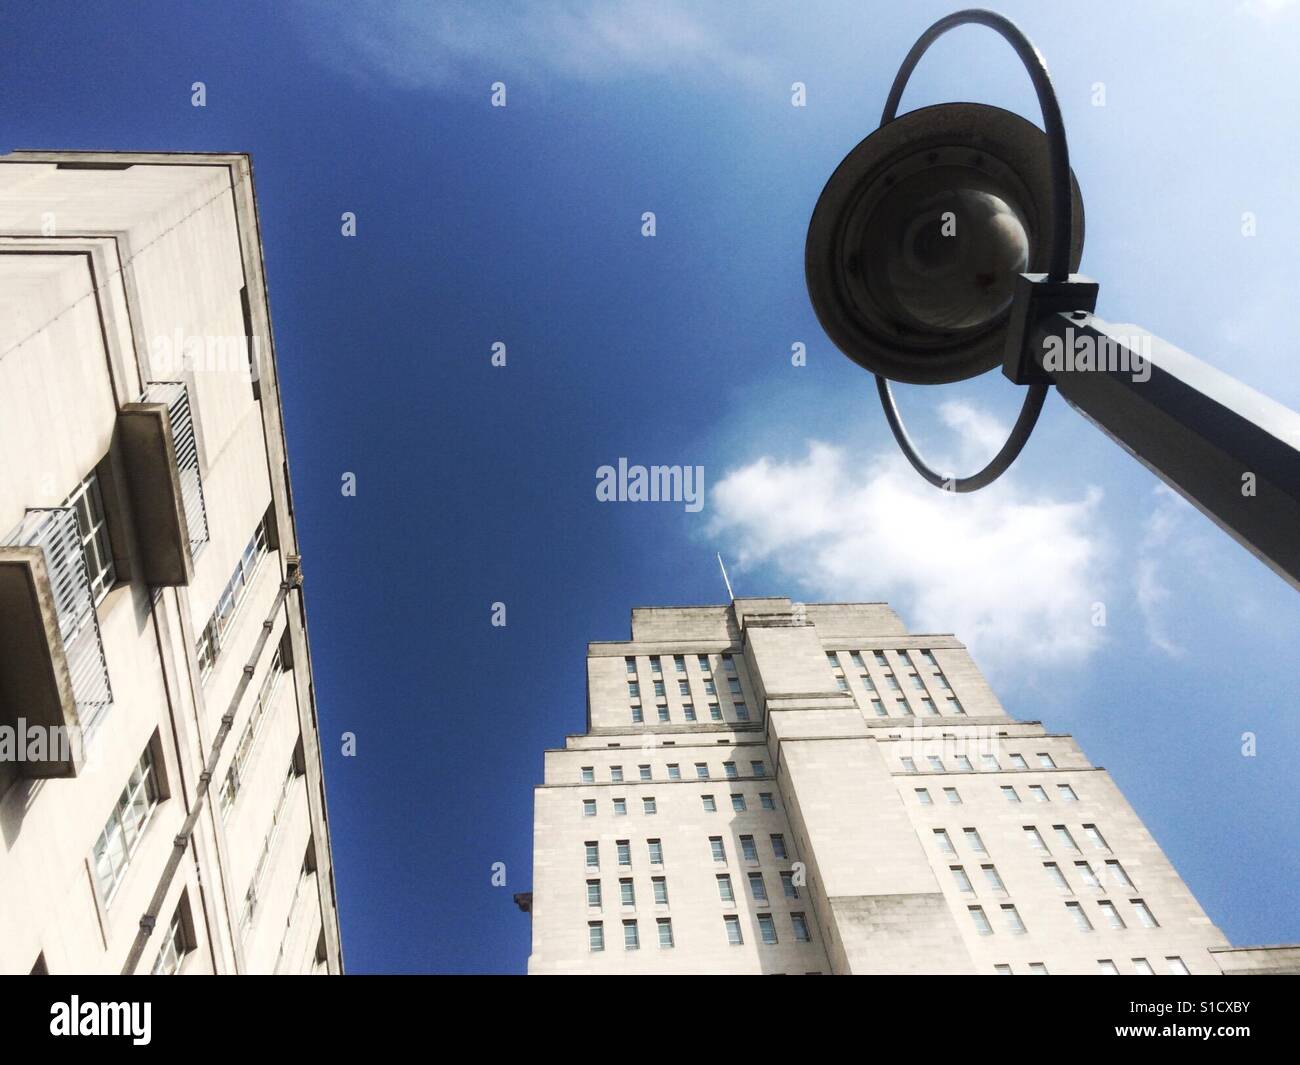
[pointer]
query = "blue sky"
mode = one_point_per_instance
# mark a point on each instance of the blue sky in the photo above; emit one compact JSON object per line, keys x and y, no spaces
{"x":522,"y":224}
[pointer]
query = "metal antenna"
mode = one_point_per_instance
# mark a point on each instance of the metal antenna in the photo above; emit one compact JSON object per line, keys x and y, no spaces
{"x":730,"y":594}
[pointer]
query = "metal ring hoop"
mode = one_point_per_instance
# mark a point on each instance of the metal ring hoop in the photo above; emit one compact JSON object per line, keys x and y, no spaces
{"x":1058,"y":259}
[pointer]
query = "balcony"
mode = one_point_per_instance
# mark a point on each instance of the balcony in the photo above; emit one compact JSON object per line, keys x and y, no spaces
{"x":160,"y":452}
{"x":53,"y":674}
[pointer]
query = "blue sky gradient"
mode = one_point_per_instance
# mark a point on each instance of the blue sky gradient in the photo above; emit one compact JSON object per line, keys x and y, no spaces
{"x":522,"y":224}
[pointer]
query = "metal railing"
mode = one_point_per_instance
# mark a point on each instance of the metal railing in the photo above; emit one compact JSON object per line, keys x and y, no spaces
{"x":54,"y":530}
{"x":176,"y":397}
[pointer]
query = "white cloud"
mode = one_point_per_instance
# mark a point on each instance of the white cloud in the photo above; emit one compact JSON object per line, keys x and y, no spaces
{"x":1012,"y":575}
{"x":414,"y":44}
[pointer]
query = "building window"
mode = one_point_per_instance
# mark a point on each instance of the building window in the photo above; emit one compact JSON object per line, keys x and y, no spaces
{"x":703,"y":660}
{"x":630,"y":662}
{"x":982,"y":925}
{"x":1009,"y":793}
{"x":643,"y":771}
{"x":963,"y":764}
{"x":631,"y":941}
{"x":856,"y":658}
{"x":748,"y":850}
{"x":717,"y":848}
{"x":757,"y":888}
{"x":1066,"y":793}
{"x":732,"y":924}
{"x":962,"y":880}
{"x":954,"y":707}
{"x":701,"y":771}
{"x":842,"y":684}
{"x":1143,"y":967}
{"x":1056,"y":876}
{"x":624,"y":850}
{"x":778,"y":846}
{"x":588,"y":807}
{"x":1080,"y":918}
{"x":125,"y":827}
{"x":1089,"y":877}
{"x":1045,"y":761}
{"x":1177,"y":967}
{"x":662,"y":711}
{"x":596,"y":936}
{"x":1064,"y":838}
{"x":637,"y":716}
{"x":648,"y":804}
{"x":593,"y":893}
{"x":715,"y":712}
{"x":724,"y":888}
{"x":1106,"y":967}
{"x":742,"y":712}
{"x":710,"y":688}
{"x":688,"y":711}
{"x":928,"y":707}
{"x":989,"y":762}
{"x":659,"y":689}
{"x":175,"y":945}
{"x":729,"y":663}
{"x":633,"y":690}
{"x":209,"y":646}
{"x":738,"y":802}
{"x":620,"y":807}
{"x":923,"y":796}
{"x":674,"y":771}
{"x":710,"y":806}
{"x":733,"y":685}
{"x":1034,"y":838}
{"x":799,"y":924}
{"x":901,"y":708}
{"x":973,"y":840}
{"x":729,"y":770}
{"x":616,"y":774}
{"x":1037,"y":968}
{"x":1012,"y":918}
{"x":767,"y":929}
{"x":1109,"y":912}
{"x":909,"y":766}
{"x":1003,"y":970}
{"x":88,"y":504}
{"x":679,"y":663}
{"x":626,"y":892}
{"x":1145,"y":917}
{"x":993,"y":880}
{"x":1038,"y":792}
{"x":665,"y":932}
{"x":878,"y":708}
{"x":892,"y":681}
{"x":952,"y":795}
{"x":1018,"y":762}
{"x":252,"y":731}
{"x":788,"y":886}
{"x":1095,"y":838}
{"x":934,"y":762}
{"x":881,"y":660}
{"x":683,"y":687}
{"x":588,"y":774}
{"x":765,"y":798}
{"x":656,"y":849}
{"x":943,"y":842}
{"x":654,"y":664}
{"x":593,"y":854}
{"x":1116,"y":874}
{"x":757,"y":769}
{"x":834,"y":661}
{"x":660,"y":886}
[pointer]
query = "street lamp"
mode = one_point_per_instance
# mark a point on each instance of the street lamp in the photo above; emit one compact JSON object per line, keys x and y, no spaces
{"x":945,"y":244}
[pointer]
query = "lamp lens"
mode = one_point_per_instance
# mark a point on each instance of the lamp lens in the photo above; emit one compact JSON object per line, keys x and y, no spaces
{"x":949,"y":259}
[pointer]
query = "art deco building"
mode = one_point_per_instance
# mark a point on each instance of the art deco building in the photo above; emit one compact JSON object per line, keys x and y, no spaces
{"x":161,"y":801}
{"x":766,"y":787}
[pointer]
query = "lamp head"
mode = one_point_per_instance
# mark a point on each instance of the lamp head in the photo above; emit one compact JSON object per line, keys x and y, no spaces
{"x":917,"y":240}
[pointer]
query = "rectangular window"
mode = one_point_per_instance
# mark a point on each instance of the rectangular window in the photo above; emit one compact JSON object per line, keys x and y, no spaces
{"x":963,"y":764}
{"x":799,"y":924}
{"x":596,"y":936}
{"x":626,"y":892}
{"x":729,"y":663}
{"x":917,"y":683}
{"x":209,"y":645}
{"x":1080,"y":918}
{"x":624,"y":848}
{"x":881,"y":660}
{"x":665,"y":932}
{"x":1034,"y":838}
{"x":630,"y":663}
{"x":660,"y":885}
{"x":767,"y":801}
{"x":1106,"y":967}
{"x":1038,"y":793}
{"x":648,"y":804}
{"x":1018,"y":762}
{"x":878,"y":708}
{"x":679,"y":663}
{"x":1087,"y":875}
{"x":923,"y":796}
{"x":1066,"y":793}
{"x":1064,"y":838}
{"x":674,"y":771}
{"x":593,"y":854}
{"x":662,"y":710}
{"x":1177,"y":967}
{"x":125,"y":827}
{"x":901,"y":708}
{"x":738,"y":802}
{"x":982,"y":925}
{"x":1009,"y":793}
{"x":842,"y":684}
{"x":724,"y":888}
{"x":989,"y":762}
{"x":973,"y":840}
{"x":1108,"y":910}
{"x":683,"y":687}
{"x":1045,"y":761}
{"x":717,"y":848}
{"x":234,"y":780}
{"x":892,"y":681}
{"x":909,"y":766}
{"x":747,"y":849}
{"x":1037,"y":968}
{"x":757,"y":888}
{"x":710,"y":688}
{"x":1145,"y":917}
{"x":1143,"y":967}
{"x":757,"y":769}
{"x":701,"y":771}
{"x":656,"y":849}
{"x":865,"y":678}
{"x":1012,"y":918}
{"x":778,"y":846}
{"x":767,"y":928}
{"x":942,"y":841}
{"x":952,"y":795}
{"x":715,"y":712}
{"x":631,"y":941}
{"x":175,"y":945}
{"x":710,"y":806}
{"x":729,"y":770}
{"x":588,"y":774}
{"x":856,"y":658}
{"x":1003,"y":970}
{"x":733,"y":685}
{"x":654,"y":664}
{"x":688,"y":711}
{"x":593,"y":893}
{"x":616,"y":774}
{"x":659,"y":689}
{"x":961,"y":880}
{"x":928,"y":708}
{"x":788,"y":887}
{"x":637,"y":716}
{"x":1056,"y":876}
{"x":732,"y":924}
{"x":934,"y":762}
{"x":643,"y":771}
{"x":742,"y":712}
{"x":1116,"y":875}
{"x":830,"y":657}
{"x":954,"y":707}
{"x":993,"y":880}
{"x":588,"y":807}
{"x":703,"y":660}
{"x":1095,"y":838}
{"x":633,"y":690}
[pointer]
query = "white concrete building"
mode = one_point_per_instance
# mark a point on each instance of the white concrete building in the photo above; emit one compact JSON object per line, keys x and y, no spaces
{"x":161,"y":801}
{"x":768,"y":787}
